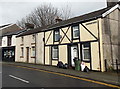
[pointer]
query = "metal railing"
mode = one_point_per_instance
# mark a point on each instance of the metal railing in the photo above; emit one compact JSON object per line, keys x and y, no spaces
{"x":115,"y":66}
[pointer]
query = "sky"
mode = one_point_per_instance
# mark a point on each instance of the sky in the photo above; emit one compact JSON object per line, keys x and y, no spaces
{"x":13,"y":10}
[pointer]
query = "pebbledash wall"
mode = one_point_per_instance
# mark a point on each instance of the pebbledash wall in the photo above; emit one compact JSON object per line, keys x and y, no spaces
{"x":30,"y":48}
{"x":91,"y":41}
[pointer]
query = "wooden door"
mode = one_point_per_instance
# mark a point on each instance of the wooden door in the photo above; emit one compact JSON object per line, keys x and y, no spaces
{"x":27,"y":54}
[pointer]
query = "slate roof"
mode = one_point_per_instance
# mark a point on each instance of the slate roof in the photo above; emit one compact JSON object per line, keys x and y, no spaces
{"x":36,"y":30}
{"x":4,"y":25}
{"x":14,"y":33}
{"x":78,"y":19}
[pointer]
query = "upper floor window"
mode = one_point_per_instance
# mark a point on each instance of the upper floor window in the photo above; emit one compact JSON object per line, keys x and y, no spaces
{"x":33,"y":37}
{"x":22,"y":51}
{"x":86,"y":51}
{"x":22,"y":40}
{"x":9,"y":40}
{"x":56,"y":35}
{"x":75,"y":32}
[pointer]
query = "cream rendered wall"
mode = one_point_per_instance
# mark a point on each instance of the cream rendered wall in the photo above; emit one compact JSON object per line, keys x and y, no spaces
{"x":50,"y":40}
{"x":4,"y":41}
{"x":95,"y":56}
{"x":65,"y":40}
{"x":93,"y":28}
{"x":101,"y":44}
{"x":40,"y":48}
{"x":47,"y":55}
{"x":54,"y":62}
{"x":63,"y":54}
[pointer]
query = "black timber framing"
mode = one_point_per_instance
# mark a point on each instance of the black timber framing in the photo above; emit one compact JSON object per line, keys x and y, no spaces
{"x":64,"y":35}
{"x":71,"y":43}
{"x":78,"y":22}
{"x":89,"y":31}
{"x":48,"y":37}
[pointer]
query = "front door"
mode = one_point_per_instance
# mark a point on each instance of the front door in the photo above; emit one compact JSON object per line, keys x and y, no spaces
{"x":27,"y":54}
{"x":73,"y":53}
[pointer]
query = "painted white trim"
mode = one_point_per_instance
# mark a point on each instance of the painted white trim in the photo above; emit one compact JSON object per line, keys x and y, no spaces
{"x":6,"y":26}
{"x":112,"y":9}
{"x":19,"y":79}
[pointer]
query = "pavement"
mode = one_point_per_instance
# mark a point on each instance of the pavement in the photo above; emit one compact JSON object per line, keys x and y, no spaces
{"x":107,"y":77}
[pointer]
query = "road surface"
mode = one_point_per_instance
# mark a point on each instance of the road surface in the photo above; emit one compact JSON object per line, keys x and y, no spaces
{"x":14,"y":76}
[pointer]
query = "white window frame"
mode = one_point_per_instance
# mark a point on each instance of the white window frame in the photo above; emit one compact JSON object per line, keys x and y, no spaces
{"x":73,"y":30}
{"x":22,"y":51}
{"x":55,"y":33}
{"x":83,"y":48}
{"x":33,"y":51}
{"x":53,"y":50}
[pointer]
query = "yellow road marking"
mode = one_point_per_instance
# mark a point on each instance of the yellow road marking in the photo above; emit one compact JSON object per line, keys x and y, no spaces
{"x":93,"y":81}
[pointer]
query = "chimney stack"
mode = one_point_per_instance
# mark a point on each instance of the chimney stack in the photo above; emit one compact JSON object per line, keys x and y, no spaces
{"x":112,"y":2}
{"x":58,"y":19}
{"x":29,"y":26}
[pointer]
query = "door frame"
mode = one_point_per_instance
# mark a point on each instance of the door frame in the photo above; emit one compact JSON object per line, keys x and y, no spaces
{"x":69,"y":53}
{"x":27,"y":54}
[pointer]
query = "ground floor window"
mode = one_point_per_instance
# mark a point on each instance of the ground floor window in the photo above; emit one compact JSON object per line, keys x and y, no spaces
{"x":22,"y":51}
{"x":54,"y":52}
{"x":33,"y":52}
{"x":86,"y":51}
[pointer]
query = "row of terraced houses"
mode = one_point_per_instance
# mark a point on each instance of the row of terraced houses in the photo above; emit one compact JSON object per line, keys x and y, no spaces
{"x":91,"y":38}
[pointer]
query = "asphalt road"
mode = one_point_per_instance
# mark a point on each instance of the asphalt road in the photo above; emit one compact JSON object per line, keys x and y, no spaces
{"x":13,"y":76}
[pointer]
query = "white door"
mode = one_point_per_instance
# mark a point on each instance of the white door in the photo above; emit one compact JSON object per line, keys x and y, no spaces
{"x":74,"y":54}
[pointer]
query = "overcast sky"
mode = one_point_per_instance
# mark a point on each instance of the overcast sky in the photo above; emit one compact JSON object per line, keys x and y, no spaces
{"x":13,"y":10}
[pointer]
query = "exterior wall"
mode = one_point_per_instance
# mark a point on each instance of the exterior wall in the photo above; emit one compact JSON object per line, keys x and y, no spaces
{"x":40,"y":48}
{"x":89,"y":32}
{"x":4,"y":41}
{"x":47,"y":56}
{"x":111,"y":41}
{"x":7,"y":29}
{"x":13,"y":43}
{"x":29,"y":43}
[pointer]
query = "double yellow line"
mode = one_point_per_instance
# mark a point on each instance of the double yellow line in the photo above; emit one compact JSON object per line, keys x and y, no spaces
{"x":84,"y":79}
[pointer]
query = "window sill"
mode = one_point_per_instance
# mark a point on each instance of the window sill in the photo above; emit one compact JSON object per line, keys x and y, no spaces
{"x":21,"y":57}
{"x":86,"y":61}
{"x":21,"y":44}
{"x":32,"y":43}
{"x":55,"y":59}
{"x":75,"y":38}
{"x":33,"y":57}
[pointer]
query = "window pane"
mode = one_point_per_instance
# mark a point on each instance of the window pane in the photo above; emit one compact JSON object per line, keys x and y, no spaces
{"x":86,"y":45}
{"x":75,"y":32}
{"x":57,"y":35}
{"x":86,"y":51}
{"x":55,"y":52}
{"x":22,"y":53}
{"x":86,"y":54}
{"x":33,"y":51}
